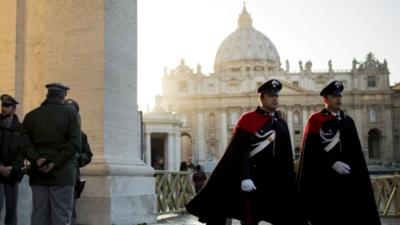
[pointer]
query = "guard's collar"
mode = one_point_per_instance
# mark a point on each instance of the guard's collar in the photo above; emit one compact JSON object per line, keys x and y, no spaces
{"x":265,"y":113}
{"x":53,"y":101}
{"x":326,"y":111}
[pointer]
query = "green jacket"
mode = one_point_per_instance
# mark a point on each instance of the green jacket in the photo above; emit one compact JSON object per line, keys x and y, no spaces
{"x":55,"y":133}
{"x":12,"y":145}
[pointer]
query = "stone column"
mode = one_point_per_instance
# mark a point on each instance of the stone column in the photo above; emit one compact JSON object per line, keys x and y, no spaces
{"x":170,"y":159}
{"x":290,"y":126}
{"x":387,"y":139}
{"x":128,"y":196}
{"x":200,"y":137}
{"x":8,"y":35}
{"x":364,"y":119}
{"x":304,"y":116}
{"x":224,"y":132}
{"x":148,"y":149}
{"x":177,"y":150}
{"x":12,"y":38}
{"x":361,"y":118}
{"x":32,"y":53}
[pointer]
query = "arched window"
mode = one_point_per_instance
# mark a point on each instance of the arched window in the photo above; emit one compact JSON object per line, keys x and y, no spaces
{"x":233,"y":118}
{"x":374,"y":143}
{"x":211,"y":154}
{"x":183,"y":86}
{"x":184,"y":119}
{"x":297,"y":153}
{"x":282,"y":114}
{"x":371,"y":81}
{"x":211,"y":120}
{"x":186,"y":148}
{"x":372,"y":115}
{"x":296,"y":117}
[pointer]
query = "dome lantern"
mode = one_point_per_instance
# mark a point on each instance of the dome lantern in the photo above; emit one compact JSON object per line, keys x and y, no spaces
{"x":246,"y":49}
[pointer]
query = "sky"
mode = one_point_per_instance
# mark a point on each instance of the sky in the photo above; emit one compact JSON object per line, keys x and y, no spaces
{"x":316,"y":30}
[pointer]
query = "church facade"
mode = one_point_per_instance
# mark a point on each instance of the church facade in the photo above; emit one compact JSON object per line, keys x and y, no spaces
{"x":209,"y":105}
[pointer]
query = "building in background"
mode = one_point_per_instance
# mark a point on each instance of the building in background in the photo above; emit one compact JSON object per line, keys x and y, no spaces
{"x":209,"y":105}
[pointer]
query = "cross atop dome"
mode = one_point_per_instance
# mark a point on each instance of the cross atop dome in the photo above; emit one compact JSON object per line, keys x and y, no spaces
{"x":245,"y":20}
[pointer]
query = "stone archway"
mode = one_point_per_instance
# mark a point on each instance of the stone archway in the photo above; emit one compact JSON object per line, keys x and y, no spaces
{"x":186,"y":148}
{"x":374,"y":143}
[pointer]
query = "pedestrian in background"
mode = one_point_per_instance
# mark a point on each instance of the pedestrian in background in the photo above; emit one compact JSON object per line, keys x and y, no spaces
{"x":199,"y":178}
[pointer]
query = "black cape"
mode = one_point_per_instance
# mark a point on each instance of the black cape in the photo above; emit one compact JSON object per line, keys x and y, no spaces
{"x":326,"y":196}
{"x":271,"y":171}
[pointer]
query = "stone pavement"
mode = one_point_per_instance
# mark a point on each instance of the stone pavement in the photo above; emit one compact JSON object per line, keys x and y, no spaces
{"x":185,"y":219}
{"x":181,"y":219}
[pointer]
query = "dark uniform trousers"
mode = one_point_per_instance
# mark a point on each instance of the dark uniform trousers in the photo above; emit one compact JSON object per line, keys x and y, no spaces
{"x":57,"y":198}
{"x":9,"y":193}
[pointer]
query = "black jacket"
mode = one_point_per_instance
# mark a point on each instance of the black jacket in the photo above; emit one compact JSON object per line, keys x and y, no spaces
{"x":12,"y":145}
{"x":55,"y":132}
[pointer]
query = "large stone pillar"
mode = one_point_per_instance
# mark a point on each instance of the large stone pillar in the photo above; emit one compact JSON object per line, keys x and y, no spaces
{"x":126,"y":194}
{"x":12,"y":31}
{"x":92,"y":47}
{"x":8,"y":34}
{"x":33,"y":53}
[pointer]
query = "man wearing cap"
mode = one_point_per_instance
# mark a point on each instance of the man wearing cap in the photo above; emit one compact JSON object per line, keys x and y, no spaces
{"x":12,"y":146}
{"x":333,"y":180}
{"x":254,"y":180}
{"x":83,"y":157}
{"x":55,"y":133}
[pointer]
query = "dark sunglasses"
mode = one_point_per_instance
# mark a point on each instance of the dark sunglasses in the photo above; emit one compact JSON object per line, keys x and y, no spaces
{"x":6,"y":105}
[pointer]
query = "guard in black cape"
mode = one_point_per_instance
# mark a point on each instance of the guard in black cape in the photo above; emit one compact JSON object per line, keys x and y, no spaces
{"x":254,"y":180}
{"x":333,"y":181}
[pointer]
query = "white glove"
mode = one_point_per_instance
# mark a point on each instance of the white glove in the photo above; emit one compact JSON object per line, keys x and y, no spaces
{"x":247,"y":185}
{"x":341,"y":168}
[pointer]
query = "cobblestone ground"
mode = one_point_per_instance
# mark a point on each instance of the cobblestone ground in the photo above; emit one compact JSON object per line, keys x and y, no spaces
{"x":182,"y":219}
{"x":185,"y":219}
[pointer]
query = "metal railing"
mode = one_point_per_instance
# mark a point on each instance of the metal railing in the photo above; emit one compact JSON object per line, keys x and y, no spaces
{"x":387,"y":194}
{"x":175,"y":189}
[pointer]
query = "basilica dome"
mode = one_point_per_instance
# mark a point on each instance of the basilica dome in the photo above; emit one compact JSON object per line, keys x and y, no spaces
{"x":246,"y":49}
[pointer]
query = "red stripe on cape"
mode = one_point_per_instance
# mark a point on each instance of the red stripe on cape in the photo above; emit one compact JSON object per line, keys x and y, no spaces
{"x":252,"y":121}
